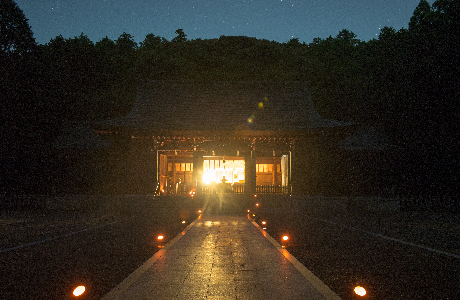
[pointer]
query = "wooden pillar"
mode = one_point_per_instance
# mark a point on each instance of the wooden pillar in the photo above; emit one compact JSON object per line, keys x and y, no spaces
{"x":197,"y":170}
{"x":250,"y":173}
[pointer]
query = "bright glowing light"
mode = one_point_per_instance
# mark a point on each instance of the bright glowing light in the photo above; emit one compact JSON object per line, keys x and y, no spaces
{"x":78,"y":291}
{"x":257,"y":204}
{"x":248,"y":210}
{"x":160,"y":237}
{"x":261,"y":105}
{"x":285,"y":238}
{"x":199,"y":211}
{"x":253,"y":215}
{"x":360,"y":291}
{"x":255,"y":196}
{"x":207,"y":178}
{"x":250,"y":120}
{"x":263,"y":222}
{"x":183,"y":222}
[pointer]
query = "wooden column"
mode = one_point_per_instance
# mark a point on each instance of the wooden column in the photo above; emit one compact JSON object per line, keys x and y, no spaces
{"x":197,"y":170}
{"x":250,"y":173}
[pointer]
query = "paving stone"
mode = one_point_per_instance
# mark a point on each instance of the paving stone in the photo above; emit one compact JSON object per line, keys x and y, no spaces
{"x":221,"y":257}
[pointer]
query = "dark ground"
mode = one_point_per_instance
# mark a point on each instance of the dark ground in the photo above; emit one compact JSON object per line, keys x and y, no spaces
{"x":395,"y":255}
{"x":109,"y":243}
{"x":335,"y":239}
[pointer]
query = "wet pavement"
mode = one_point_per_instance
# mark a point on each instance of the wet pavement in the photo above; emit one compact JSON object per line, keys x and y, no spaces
{"x":222,"y":257}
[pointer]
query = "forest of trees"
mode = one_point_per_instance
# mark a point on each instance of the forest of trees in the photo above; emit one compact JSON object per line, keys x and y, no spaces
{"x":406,"y":81}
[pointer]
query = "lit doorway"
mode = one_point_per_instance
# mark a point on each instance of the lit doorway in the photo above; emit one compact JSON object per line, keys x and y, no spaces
{"x":223,"y":170}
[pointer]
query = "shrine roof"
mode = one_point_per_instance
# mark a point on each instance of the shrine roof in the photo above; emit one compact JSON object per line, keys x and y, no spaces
{"x":222,"y":105}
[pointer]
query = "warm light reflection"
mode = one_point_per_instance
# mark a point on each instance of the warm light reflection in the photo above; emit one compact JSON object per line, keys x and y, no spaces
{"x":255,"y":196}
{"x":360,"y":291}
{"x":248,"y":210}
{"x":78,"y":291}
{"x":263,"y":222}
{"x":257,"y":204}
{"x":183,"y":222}
{"x":160,"y":237}
{"x":199,"y":211}
{"x":285,"y":238}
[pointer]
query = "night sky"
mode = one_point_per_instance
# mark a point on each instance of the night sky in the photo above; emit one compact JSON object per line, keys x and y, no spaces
{"x":278,"y":20}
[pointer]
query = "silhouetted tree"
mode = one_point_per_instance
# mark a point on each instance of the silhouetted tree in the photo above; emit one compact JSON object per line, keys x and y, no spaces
{"x":15,"y":34}
{"x":125,"y":43}
{"x":151,"y":42}
{"x":180,"y":37}
{"x":421,"y":17}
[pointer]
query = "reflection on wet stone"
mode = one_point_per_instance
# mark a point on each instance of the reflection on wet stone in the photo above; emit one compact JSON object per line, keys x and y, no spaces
{"x":221,"y":258}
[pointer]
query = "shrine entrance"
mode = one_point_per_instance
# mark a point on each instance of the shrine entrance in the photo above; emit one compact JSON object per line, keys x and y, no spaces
{"x":183,"y":172}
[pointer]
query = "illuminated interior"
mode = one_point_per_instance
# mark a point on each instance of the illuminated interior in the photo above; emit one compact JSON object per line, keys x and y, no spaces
{"x":215,"y":170}
{"x":177,"y":174}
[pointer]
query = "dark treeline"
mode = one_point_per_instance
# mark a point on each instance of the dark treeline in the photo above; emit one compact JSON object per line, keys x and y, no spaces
{"x":405,"y":81}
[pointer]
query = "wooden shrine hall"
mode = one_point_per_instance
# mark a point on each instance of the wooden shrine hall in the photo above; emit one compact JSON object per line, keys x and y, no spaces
{"x":222,"y":137}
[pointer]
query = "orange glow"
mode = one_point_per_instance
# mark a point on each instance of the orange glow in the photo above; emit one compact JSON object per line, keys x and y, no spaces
{"x":78,"y":291}
{"x":199,"y":211}
{"x":257,"y":204}
{"x":248,"y":210}
{"x":263,"y":222}
{"x":285,"y":238}
{"x":160,"y":237}
{"x":255,"y":196}
{"x":360,"y":291}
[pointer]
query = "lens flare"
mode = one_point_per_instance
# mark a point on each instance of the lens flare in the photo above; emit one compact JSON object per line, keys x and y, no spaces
{"x":360,"y":291}
{"x":78,"y":291}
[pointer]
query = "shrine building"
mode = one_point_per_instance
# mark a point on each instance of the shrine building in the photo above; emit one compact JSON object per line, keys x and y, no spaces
{"x":222,"y":137}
